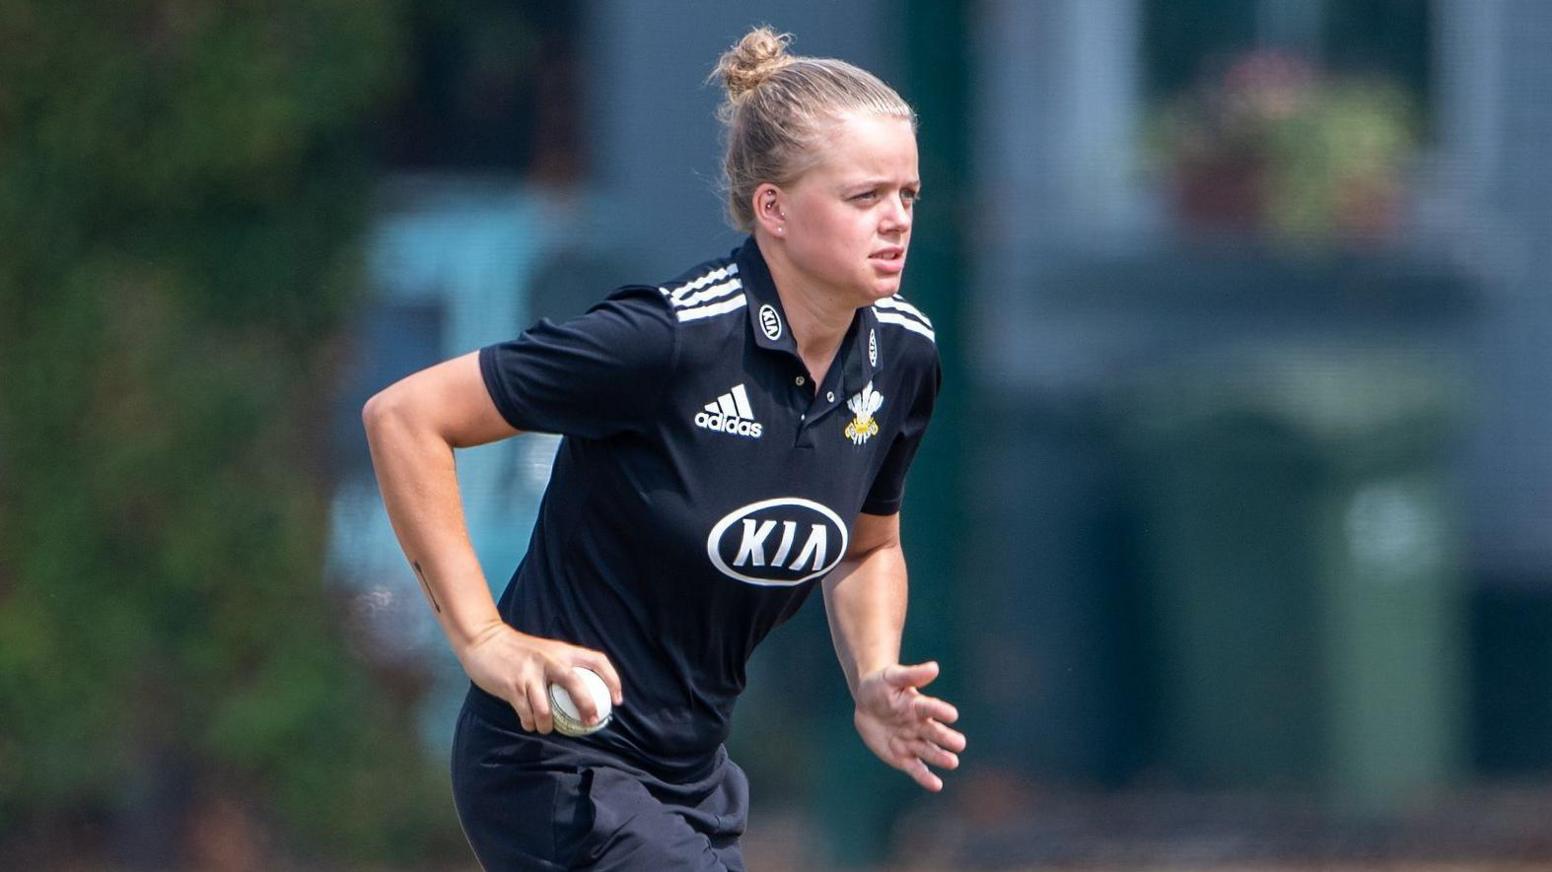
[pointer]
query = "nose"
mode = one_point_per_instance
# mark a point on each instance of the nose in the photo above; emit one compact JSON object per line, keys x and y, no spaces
{"x":897,"y":218}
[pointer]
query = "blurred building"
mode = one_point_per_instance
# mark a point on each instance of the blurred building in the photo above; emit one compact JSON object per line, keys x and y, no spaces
{"x":1330,"y":573}
{"x":1088,"y":279}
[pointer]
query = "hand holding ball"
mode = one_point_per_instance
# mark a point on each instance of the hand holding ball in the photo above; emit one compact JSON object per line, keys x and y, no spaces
{"x":564,"y":712}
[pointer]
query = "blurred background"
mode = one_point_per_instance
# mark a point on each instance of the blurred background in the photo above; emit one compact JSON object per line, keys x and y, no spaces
{"x":1233,"y":531}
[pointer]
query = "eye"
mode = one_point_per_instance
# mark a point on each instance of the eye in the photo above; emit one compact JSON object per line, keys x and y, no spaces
{"x":910,"y":196}
{"x":865,"y":196}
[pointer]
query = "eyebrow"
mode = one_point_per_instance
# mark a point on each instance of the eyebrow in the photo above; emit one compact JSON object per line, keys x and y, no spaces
{"x":875,"y":182}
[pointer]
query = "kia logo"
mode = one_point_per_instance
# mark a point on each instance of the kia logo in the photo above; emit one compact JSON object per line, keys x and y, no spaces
{"x":777,"y":543}
{"x":770,"y":322}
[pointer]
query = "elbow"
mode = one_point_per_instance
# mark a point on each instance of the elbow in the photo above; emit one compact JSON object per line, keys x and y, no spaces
{"x":383,"y":407}
{"x":372,"y":413}
{"x":395,"y":413}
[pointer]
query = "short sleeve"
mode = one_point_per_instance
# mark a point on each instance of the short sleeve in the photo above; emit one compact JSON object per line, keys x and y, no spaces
{"x":888,"y":488}
{"x":593,"y":376}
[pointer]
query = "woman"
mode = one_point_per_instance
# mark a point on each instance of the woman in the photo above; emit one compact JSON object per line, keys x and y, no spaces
{"x":732,"y":438}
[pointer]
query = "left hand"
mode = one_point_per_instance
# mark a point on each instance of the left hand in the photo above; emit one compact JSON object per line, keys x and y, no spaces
{"x":904,"y":727}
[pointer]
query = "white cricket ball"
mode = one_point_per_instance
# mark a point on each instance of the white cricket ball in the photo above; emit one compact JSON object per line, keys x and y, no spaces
{"x":563,"y":711}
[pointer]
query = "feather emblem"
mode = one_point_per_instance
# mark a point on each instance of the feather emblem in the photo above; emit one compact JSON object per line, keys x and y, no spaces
{"x":863,"y":426}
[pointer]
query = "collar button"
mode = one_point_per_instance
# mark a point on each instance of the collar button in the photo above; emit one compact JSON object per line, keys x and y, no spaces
{"x":830,"y":397}
{"x":799,"y":381}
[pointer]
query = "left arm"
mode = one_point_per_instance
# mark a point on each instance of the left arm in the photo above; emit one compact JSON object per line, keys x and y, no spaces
{"x":865,"y":599}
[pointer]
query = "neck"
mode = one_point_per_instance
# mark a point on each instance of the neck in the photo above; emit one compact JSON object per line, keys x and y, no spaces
{"x":818,"y":319}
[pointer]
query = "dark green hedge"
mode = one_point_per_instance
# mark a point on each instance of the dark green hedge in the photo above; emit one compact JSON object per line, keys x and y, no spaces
{"x":182,"y":187}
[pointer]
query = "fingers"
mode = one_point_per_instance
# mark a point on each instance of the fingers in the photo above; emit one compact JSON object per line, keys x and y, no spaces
{"x":539,"y":706}
{"x":923,"y":776}
{"x":569,"y":678}
{"x":919,"y":675}
{"x":913,"y":756}
{"x":933,"y":755}
{"x":524,"y":712}
{"x":908,"y":749}
{"x":521,"y":696}
{"x":935,"y":709}
{"x":599,"y":663}
{"x":520,"y":668}
{"x":944,"y":737}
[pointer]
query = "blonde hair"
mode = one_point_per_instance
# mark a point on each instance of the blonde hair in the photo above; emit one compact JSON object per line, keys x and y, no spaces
{"x":777,"y":108}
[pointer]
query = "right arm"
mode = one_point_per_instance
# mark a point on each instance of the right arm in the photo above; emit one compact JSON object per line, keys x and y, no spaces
{"x":412,"y":427}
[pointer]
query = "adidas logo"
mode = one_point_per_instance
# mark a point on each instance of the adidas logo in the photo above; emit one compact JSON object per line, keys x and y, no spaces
{"x":730,"y":414}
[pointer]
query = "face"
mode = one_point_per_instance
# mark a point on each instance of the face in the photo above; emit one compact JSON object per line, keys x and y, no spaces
{"x":846,"y":223}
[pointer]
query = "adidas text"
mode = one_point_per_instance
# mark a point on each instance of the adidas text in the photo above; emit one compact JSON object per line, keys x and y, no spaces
{"x":726,"y":424}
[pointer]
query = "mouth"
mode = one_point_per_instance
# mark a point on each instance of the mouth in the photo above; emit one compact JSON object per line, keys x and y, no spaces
{"x":891,"y":259}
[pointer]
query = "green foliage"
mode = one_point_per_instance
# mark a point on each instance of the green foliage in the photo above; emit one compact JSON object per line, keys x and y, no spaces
{"x":1297,"y":153}
{"x":181,"y":187}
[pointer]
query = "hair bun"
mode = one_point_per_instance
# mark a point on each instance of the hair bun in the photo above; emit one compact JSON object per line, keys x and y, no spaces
{"x":752,"y":60}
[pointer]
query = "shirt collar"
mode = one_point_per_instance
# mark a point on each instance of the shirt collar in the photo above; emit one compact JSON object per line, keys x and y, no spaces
{"x":767,"y":319}
{"x":862,"y":353}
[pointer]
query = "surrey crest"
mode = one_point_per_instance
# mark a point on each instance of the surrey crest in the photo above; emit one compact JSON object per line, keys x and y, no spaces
{"x":863,"y":426}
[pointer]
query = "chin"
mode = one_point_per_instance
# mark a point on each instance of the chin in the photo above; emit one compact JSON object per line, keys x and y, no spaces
{"x":868,"y":289}
{"x":884,"y":289}
{"x":870,"y":294}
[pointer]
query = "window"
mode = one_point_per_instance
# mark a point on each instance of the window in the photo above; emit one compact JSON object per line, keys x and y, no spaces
{"x":489,"y":85}
{"x":1184,"y":40}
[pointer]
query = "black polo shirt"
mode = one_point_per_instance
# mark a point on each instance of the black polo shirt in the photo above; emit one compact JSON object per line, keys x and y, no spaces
{"x":703,"y":487}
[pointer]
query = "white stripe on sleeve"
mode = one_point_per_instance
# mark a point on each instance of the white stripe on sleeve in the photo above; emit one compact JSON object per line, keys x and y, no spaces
{"x":722,"y":307}
{"x":714,"y":292}
{"x":899,"y":305}
{"x":715,"y":275}
{"x":910,"y":324}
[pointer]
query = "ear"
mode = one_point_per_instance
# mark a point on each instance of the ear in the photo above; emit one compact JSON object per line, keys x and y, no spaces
{"x":770,"y":212}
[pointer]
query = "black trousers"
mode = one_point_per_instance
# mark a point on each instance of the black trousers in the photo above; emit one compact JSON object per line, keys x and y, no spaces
{"x":530,"y":802}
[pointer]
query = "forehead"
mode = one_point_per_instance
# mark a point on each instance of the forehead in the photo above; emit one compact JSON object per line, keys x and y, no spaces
{"x":867,"y":146}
